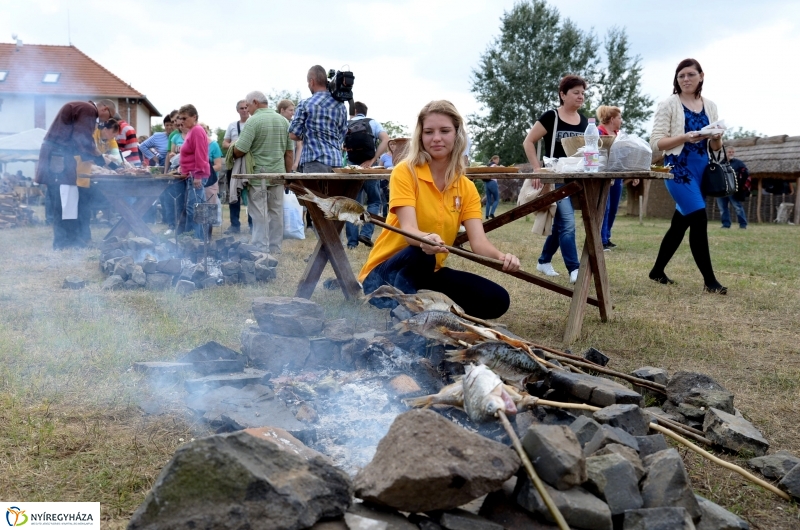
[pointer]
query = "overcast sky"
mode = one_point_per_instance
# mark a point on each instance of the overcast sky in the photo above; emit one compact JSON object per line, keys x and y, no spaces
{"x":405,"y":53}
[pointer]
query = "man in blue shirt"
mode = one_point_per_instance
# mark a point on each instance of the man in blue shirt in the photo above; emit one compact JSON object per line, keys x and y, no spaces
{"x":320,"y":122}
{"x":371,"y":188}
{"x":156,"y":145}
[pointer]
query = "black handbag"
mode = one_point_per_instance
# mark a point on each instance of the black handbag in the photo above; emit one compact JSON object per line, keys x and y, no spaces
{"x":719,"y":179}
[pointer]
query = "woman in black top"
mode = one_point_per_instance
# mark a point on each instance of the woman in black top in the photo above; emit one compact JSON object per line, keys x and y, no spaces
{"x":570,"y":123}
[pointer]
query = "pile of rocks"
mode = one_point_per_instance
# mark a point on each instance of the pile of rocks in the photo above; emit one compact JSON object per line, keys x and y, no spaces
{"x":13,"y":213}
{"x":139,"y":263}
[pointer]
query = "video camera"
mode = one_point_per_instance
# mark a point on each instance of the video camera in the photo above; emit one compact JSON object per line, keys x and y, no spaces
{"x":340,"y":85}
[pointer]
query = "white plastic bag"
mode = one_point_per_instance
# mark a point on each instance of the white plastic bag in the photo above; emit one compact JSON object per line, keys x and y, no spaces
{"x":293,"y":227}
{"x":629,"y":153}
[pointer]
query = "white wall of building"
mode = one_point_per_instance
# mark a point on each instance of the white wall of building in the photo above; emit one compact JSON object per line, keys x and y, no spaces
{"x":142,"y":120}
{"x":16,"y":114}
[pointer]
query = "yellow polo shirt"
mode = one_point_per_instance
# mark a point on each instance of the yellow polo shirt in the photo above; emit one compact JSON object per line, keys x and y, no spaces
{"x":438,"y":212}
{"x":85,"y":167}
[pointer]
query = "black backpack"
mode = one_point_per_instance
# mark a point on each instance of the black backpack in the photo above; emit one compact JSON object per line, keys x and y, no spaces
{"x":359,"y":142}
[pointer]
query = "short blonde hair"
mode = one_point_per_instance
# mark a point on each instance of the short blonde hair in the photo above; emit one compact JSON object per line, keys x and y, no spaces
{"x":605,"y":113}
{"x":417,"y":156}
{"x":285,"y":104}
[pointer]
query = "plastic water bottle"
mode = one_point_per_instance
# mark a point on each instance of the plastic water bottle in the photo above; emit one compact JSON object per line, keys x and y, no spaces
{"x":591,"y":153}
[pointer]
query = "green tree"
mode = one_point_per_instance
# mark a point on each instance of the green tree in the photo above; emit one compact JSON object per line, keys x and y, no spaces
{"x":517,"y":77}
{"x":739,"y":132}
{"x":275,"y":96}
{"x":619,"y":83}
{"x":220,"y":133}
{"x":395,"y":130}
{"x":158,"y":127}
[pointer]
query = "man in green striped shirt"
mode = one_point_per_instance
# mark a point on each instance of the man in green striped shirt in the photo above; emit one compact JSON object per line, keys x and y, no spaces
{"x":265,"y":136}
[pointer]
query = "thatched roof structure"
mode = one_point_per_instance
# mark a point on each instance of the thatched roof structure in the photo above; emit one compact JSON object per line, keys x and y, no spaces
{"x":776,"y":157}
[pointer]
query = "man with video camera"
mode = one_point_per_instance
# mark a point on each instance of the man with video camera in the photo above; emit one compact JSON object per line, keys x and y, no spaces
{"x":320,"y":122}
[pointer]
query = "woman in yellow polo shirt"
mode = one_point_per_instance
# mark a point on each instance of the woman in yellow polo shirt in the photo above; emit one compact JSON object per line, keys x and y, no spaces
{"x":431,"y":197}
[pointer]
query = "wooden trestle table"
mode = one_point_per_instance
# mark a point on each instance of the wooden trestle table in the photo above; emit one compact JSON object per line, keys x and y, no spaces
{"x":590,"y":189}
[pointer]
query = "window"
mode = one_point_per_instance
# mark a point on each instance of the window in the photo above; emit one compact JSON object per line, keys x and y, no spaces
{"x":50,"y":78}
{"x":3,"y":75}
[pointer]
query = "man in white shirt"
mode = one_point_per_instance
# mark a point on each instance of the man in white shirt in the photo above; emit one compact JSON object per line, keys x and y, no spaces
{"x":231,"y":135}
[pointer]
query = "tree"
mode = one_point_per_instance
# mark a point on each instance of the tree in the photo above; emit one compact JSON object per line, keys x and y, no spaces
{"x":619,"y":83}
{"x":395,"y":130}
{"x":275,"y":96}
{"x":220,"y":134}
{"x":739,"y":132}
{"x":517,"y":77}
{"x":158,"y":127}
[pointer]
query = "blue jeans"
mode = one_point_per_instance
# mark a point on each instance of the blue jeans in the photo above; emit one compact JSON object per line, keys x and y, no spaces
{"x":612,"y":205}
{"x":173,"y":200}
{"x":492,"y":197}
{"x":725,"y":212}
{"x":372,"y":188}
{"x":563,"y":236}
{"x":194,"y":196}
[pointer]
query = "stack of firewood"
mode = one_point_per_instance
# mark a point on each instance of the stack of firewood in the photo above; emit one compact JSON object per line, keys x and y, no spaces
{"x":13,"y":212}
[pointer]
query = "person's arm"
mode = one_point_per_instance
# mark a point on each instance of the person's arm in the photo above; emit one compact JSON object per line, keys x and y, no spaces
{"x":481,"y":245}
{"x":288,"y":160}
{"x":226,"y":140}
{"x":382,"y":147}
{"x":536,"y":133}
{"x":218,"y":164}
{"x":299,"y":149}
{"x":297,"y":126}
{"x":407,"y":215}
{"x":146,"y":148}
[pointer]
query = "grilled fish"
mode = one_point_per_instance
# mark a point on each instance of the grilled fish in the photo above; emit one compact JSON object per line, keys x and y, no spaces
{"x":441,"y":326}
{"x":513,"y":365}
{"x":485,"y":395}
{"x":452,"y":395}
{"x":424,"y":300}
{"x":339,"y":208}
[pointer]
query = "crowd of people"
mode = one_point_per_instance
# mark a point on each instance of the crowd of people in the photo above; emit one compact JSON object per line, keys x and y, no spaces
{"x":428,"y":194}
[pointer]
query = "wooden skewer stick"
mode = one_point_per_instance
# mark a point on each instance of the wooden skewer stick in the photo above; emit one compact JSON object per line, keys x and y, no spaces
{"x":683,"y":441}
{"x":537,"y":482}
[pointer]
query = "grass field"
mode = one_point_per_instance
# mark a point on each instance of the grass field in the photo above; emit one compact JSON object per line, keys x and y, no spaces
{"x":71,"y":428}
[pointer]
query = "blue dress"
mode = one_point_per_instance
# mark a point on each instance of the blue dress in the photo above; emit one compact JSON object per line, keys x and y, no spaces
{"x":688,"y":167}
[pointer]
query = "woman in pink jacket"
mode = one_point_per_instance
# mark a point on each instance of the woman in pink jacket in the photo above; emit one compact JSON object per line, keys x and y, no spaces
{"x":194,"y":164}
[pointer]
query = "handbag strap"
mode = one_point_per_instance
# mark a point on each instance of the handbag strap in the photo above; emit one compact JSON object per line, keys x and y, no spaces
{"x":555,"y":133}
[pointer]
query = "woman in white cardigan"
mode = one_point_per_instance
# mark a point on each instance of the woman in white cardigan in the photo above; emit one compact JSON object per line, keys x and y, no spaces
{"x":675,"y":132}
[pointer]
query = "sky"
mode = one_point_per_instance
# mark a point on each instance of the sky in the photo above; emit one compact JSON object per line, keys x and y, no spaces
{"x":405,"y":53}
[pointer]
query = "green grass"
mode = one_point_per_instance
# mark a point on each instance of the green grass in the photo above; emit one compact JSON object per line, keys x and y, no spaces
{"x":71,"y":430}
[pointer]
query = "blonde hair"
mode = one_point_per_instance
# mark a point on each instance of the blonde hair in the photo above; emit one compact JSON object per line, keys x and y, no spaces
{"x":417,"y":156}
{"x":605,"y":113}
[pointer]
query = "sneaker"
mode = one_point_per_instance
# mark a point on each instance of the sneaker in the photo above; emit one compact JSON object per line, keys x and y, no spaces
{"x":232,"y":230}
{"x":351,"y":247}
{"x":367,"y":241}
{"x":725,"y":227}
{"x":169,"y":232}
{"x":573,"y":276}
{"x":610,"y":244}
{"x":743,"y":227}
{"x":546,"y":268}
{"x":607,"y":247}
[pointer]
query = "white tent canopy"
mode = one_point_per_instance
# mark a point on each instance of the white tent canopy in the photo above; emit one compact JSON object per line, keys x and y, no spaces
{"x":22,"y":146}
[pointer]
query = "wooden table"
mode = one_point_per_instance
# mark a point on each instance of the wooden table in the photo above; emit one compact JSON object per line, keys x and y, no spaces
{"x":145,"y":190}
{"x":591,"y":190}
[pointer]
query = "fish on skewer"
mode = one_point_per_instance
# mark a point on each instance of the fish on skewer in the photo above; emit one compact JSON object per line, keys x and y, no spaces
{"x":339,"y":208}
{"x":485,"y":395}
{"x":441,"y":326}
{"x":514,"y":366}
{"x":423,"y":300}
{"x":452,"y":395}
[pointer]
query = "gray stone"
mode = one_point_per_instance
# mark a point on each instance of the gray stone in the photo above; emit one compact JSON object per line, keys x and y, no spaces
{"x":791,"y":482}
{"x":556,"y":455}
{"x":242,"y":481}
{"x":275,"y":352}
{"x":169,"y":266}
{"x":121,"y":267}
{"x":265,"y":273}
{"x":210,"y":351}
{"x":339,"y":330}
{"x":158,"y":282}
{"x":625,"y":452}
{"x":593,"y":355}
{"x":73,"y":282}
{"x":501,"y":507}
{"x":185,"y":287}
{"x":698,"y":387}
{"x":363,"y":517}
{"x":232,"y":279}
{"x":609,"y":435}
{"x":734,"y":434}
{"x":651,"y":373}
{"x":248,"y":377}
{"x":580,"y":508}
{"x":670,"y":411}
{"x":613,"y":478}
{"x":113,"y":282}
{"x":595,"y":390}
{"x":584,"y":428}
{"x":209,"y":283}
{"x":629,"y":418}
{"x":774,"y":466}
{"x":248,"y":266}
{"x":223,"y":399}
{"x":247,"y":278}
{"x":139,"y":243}
{"x":666,"y":483}
{"x":219,"y":366}
{"x":463,"y":520}
{"x":138,"y":276}
{"x":664,"y":518}
{"x":231,"y":268}
{"x":130,"y":285}
{"x":692,"y":413}
{"x":294,"y":317}
{"x":160,"y":368}
{"x":426,"y":462}
{"x":150,"y":265}
{"x":651,"y":444}
{"x":715,"y":517}
{"x":324,"y":354}
{"x":268,"y":413}
{"x":706,"y":399}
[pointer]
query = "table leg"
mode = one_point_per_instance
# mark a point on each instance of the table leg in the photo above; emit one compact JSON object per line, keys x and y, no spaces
{"x":593,"y":201}
{"x":131,"y":217}
{"x":329,"y":247}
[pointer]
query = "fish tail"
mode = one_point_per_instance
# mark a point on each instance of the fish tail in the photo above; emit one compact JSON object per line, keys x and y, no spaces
{"x":419,"y":402}
{"x":308,"y":195}
{"x":460,"y":356}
